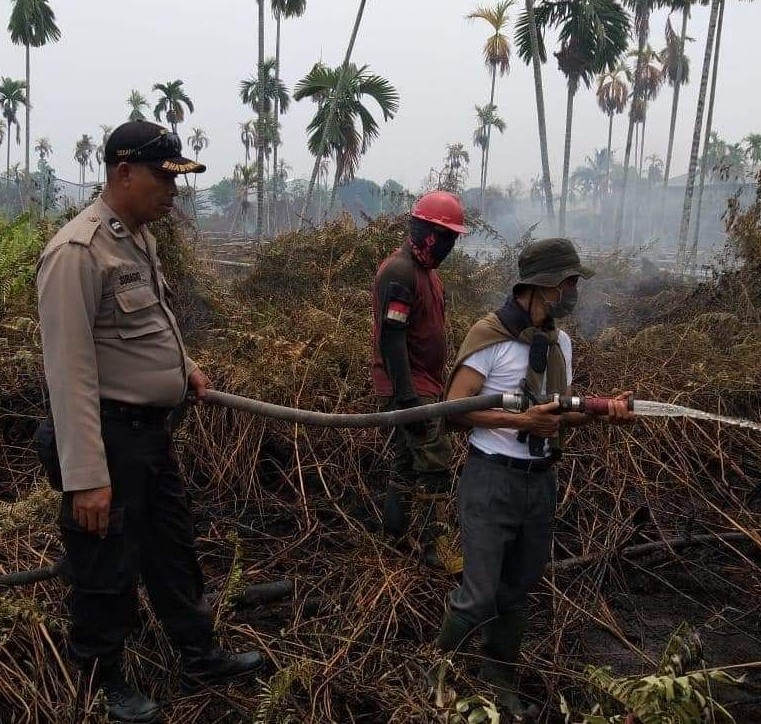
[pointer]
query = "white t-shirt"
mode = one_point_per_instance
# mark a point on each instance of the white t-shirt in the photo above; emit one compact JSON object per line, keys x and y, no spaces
{"x":504,"y":366}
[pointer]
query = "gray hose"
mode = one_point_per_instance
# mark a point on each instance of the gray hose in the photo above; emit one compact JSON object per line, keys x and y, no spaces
{"x":371,"y":419}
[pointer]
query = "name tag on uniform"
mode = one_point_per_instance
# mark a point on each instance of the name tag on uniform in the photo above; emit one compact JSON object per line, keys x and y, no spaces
{"x":129,"y":276}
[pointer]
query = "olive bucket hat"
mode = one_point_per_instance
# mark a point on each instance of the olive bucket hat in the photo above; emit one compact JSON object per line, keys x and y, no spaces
{"x":548,"y":262}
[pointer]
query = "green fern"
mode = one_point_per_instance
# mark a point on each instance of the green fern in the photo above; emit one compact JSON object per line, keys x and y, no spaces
{"x":272,"y":708}
{"x":670,"y":696}
{"x":234,"y":583}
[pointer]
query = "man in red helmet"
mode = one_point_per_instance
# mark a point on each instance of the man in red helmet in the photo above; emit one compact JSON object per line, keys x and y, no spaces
{"x":409,"y":355}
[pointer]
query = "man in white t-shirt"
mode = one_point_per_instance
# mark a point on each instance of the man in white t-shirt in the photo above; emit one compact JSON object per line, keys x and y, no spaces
{"x":507,"y":491}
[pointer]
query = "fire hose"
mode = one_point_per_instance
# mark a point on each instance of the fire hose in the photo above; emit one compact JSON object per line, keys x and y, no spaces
{"x":515,"y":401}
{"x":508,"y":401}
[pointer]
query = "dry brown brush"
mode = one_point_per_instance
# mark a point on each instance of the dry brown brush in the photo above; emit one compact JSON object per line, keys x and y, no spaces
{"x":279,"y":502}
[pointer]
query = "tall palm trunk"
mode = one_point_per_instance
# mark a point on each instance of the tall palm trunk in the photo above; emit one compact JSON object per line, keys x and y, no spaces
{"x":605,"y":195}
{"x":572,"y":85}
{"x":540,"y":113}
{"x":334,"y":190}
{"x":621,"y":209}
{"x":481,"y":179}
{"x":674,"y":109}
{"x":692,"y":171}
{"x":675,"y":99}
{"x":28,"y":108}
{"x":485,"y":165}
{"x":610,"y":150}
{"x":332,"y":110}
{"x":636,"y":146}
{"x":260,"y":130}
{"x":639,"y":163}
{"x":8,"y":159}
{"x":276,"y":105}
{"x":709,"y":125}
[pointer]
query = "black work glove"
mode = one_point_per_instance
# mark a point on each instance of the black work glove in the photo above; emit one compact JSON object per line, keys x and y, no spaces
{"x":418,"y":429}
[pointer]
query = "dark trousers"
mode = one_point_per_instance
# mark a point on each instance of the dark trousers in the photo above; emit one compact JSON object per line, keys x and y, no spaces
{"x":506,"y":521}
{"x":420,"y":476}
{"x":421,"y":456}
{"x":150,"y":534}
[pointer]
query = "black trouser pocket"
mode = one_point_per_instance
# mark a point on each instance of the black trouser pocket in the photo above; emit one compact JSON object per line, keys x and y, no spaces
{"x":44,"y":441}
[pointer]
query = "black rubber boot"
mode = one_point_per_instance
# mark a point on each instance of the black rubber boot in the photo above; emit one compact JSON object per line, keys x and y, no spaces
{"x":454,"y":630}
{"x":203,"y":667}
{"x":124,"y":703}
{"x":396,"y":517}
{"x":502,"y":644}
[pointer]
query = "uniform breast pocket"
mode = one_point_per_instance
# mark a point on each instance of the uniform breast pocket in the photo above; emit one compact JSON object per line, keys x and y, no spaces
{"x":138,"y":312}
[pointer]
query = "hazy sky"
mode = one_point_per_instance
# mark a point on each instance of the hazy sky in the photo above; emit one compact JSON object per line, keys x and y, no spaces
{"x":424,"y":47}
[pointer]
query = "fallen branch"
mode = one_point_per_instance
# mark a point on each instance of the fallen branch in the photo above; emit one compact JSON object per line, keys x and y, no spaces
{"x":642,"y":549}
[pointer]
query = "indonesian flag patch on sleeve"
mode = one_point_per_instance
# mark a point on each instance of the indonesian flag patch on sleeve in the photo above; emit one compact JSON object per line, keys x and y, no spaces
{"x":397,"y":312}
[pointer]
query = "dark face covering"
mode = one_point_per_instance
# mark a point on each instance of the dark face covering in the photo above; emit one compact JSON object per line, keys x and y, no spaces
{"x":433,"y":248}
{"x":563,"y":306}
{"x":443,"y":243}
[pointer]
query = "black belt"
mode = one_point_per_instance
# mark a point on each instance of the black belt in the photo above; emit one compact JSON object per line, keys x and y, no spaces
{"x":137,"y":415}
{"x":522,"y":464}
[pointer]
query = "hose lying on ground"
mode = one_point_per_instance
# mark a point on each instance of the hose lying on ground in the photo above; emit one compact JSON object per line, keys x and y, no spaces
{"x":370,"y":419}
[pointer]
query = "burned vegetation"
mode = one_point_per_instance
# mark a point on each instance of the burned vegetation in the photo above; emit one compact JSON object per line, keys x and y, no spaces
{"x":657,"y":525}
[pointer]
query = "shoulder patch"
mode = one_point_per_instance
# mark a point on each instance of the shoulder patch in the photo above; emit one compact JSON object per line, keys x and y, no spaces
{"x":84,"y":231}
{"x":397,"y":312}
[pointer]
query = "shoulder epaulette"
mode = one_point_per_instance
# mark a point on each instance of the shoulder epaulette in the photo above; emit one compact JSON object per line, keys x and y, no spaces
{"x":85,"y":230}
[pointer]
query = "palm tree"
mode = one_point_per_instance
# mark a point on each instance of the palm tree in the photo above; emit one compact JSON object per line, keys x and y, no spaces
{"x":650,"y":79}
{"x":244,"y":178}
{"x":333,"y":102}
{"x":198,"y":140}
{"x":282,"y":9}
{"x":12,"y":95}
{"x":654,"y":169}
{"x":694,"y":151}
{"x":612,"y":96}
{"x":274,"y":90}
{"x":248,"y":137}
{"x":136,"y":102}
{"x":172,"y":103}
{"x":528,"y":21}
{"x":83,"y":151}
{"x":752,"y":145}
{"x":708,"y":129}
{"x":100,"y":151}
{"x":455,"y":170}
{"x":2,"y":131}
{"x":333,"y":130}
{"x":264,"y":97}
{"x":43,"y":149}
{"x":259,"y":120}
{"x":591,"y":179}
{"x":32,"y":24}
{"x":593,"y":35}
{"x":497,"y":57}
{"x":642,"y":10}
{"x":676,"y":69}
{"x":487,"y":117}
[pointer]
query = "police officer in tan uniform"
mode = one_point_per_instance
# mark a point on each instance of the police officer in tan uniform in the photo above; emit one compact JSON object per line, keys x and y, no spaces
{"x":116,"y":368}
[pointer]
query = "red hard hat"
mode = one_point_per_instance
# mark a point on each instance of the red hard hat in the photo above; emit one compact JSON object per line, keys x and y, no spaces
{"x":442,"y":208}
